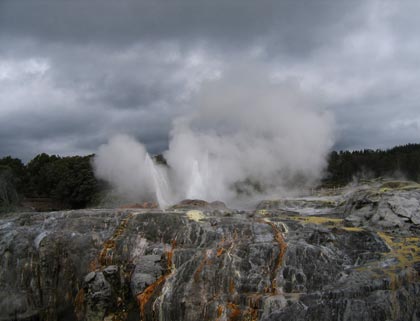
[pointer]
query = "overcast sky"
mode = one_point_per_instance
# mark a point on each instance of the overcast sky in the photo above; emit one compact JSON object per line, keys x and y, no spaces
{"x":74,"y":73}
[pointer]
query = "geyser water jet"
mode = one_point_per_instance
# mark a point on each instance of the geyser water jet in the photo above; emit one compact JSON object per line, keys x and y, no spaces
{"x":160,"y":182}
{"x":245,"y":133}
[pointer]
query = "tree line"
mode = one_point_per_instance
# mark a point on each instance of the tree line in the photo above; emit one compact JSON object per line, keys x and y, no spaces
{"x":67,"y":180}
{"x":71,"y":180}
{"x":400,"y":161}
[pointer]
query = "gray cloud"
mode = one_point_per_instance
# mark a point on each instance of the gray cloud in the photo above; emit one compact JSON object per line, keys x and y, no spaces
{"x":229,"y":21}
{"x":74,"y":73}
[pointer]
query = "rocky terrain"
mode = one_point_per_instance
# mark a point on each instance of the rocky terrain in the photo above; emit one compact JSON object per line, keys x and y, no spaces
{"x":348,"y":254}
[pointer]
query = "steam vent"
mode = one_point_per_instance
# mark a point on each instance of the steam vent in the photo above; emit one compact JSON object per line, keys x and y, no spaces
{"x":338,"y":255}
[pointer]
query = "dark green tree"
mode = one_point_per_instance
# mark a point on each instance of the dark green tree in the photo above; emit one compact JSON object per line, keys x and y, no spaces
{"x":403,"y":160}
{"x":12,"y":175}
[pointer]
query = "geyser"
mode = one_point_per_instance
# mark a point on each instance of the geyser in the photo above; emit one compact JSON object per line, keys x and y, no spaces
{"x":125,"y":163}
{"x":159,"y":182}
{"x":248,"y":136}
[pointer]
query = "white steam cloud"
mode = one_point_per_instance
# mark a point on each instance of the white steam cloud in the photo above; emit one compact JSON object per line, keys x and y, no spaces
{"x":125,"y":163}
{"x":248,"y":136}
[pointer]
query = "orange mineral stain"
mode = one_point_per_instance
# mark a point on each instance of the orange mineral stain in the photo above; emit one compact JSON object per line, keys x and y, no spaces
{"x":144,"y":297}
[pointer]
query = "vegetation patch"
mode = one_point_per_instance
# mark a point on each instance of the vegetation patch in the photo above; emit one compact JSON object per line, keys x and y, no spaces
{"x":319,"y":220}
{"x":404,"y":249}
{"x":398,"y":186}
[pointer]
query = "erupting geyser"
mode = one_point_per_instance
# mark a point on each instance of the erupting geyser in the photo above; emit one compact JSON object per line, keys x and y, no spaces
{"x":159,"y":182}
{"x":247,"y":135}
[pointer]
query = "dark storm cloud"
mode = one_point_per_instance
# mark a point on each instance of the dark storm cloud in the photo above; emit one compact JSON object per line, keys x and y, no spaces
{"x":74,"y":73}
{"x":298,"y":26}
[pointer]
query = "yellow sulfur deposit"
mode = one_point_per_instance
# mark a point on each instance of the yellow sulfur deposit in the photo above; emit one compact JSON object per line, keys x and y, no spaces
{"x":195,"y":215}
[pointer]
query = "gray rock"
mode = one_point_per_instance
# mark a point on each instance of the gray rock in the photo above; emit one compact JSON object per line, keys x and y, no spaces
{"x":111,"y":270}
{"x":384,"y":209}
{"x":113,"y":265}
{"x":90,"y":277}
{"x":406,"y":205}
{"x":146,"y":272}
{"x":98,"y":296}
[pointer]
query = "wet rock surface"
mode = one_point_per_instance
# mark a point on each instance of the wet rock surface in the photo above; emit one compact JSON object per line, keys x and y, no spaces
{"x":201,"y":263}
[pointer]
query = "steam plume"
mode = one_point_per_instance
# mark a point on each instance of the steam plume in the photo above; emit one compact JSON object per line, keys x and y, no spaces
{"x":247,"y":136}
{"x":125,"y":163}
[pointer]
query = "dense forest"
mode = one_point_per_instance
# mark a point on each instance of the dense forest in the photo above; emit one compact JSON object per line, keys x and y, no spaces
{"x":398,"y":162}
{"x":70,"y":181}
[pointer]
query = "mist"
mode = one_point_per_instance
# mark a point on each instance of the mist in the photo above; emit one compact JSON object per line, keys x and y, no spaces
{"x":125,"y":163}
{"x":247,"y":136}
